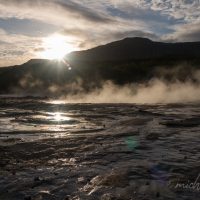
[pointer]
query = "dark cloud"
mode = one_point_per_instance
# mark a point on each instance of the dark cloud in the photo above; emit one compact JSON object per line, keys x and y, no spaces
{"x":68,"y":6}
{"x":191,"y":35}
{"x":84,"y":12}
{"x":135,"y":33}
{"x":185,"y":33}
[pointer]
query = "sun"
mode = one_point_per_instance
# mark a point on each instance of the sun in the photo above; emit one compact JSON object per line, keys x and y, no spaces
{"x":56,"y":47}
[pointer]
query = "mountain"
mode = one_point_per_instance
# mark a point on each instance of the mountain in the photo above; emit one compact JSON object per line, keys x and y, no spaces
{"x":138,"y":49}
{"x":125,"y":61}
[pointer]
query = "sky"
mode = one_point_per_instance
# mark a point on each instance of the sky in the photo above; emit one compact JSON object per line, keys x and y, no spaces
{"x":26,"y":25}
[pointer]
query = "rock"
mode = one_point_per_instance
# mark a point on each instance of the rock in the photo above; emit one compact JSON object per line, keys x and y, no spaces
{"x":108,"y":197}
{"x":37,"y":178}
{"x":114,"y":179}
{"x":13,"y":172}
{"x":27,"y":198}
{"x":152,"y":136}
{"x":158,"y":194}
{"x":191,"y":122}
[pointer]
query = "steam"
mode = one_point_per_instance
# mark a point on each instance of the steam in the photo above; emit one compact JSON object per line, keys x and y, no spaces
{"x":156,"y":91}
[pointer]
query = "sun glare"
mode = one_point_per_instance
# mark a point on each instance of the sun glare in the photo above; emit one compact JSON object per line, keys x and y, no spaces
{"x":60,"y":117}
{"x":56,"y":47}
{"x":57,"y":116}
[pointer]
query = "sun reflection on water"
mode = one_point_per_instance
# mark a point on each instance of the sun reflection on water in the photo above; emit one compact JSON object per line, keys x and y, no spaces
{"x":58,"y":102}
{"x":57,"y":116}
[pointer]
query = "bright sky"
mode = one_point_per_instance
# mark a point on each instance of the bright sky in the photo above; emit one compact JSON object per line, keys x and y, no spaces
{"x":30,"y":29}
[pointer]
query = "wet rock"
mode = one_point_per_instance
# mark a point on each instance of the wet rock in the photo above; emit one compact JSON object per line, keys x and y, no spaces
{"x":147,"y":183}
{"x":56,"y":173}
{"x":135,"y":121}
{"x":191,"y":122}
{"x":152,"y":136}
{"x":108,"y":197}
{"x":27,"y":198}
{"x":185,"y":157}
{"x":115,"y":178}
{"x":13,"y":172}
{"x":45,"y":196}
{"x":81,"y":179}
{"x":37,"y":178}
{"x":126,"y":193}
{"x":158,"y":194}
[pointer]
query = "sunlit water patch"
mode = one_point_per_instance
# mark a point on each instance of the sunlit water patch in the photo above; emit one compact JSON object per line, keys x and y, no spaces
{"x":34,"y":119}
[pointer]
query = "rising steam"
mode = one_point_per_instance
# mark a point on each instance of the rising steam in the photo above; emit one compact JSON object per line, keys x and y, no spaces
{"x":156,"y":91}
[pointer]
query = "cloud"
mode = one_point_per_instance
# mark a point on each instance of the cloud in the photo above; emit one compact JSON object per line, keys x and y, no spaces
{"x":187,"y":10}
{"x":16,"y":48}
{"x":82,"y":11}
{"x":185,"y":33}
{"x":51,"y":11}
{"x":155,"y":16}
{"x":135,"y":33}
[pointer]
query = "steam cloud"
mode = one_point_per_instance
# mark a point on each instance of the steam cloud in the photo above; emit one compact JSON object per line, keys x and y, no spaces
{"x":157,"y":90}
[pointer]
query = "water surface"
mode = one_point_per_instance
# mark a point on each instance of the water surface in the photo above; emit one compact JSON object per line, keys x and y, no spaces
{"x":55,"y":150}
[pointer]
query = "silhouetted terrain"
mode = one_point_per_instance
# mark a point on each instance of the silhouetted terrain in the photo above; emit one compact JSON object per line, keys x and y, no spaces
{"x":136,"y":48}
{"x":132,"y":60}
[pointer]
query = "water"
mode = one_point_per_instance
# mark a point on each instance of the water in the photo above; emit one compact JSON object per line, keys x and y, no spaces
{"x":55,"y":150}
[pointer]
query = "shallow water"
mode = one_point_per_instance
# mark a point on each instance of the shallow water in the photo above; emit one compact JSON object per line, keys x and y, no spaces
{"x":55,"y":150}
